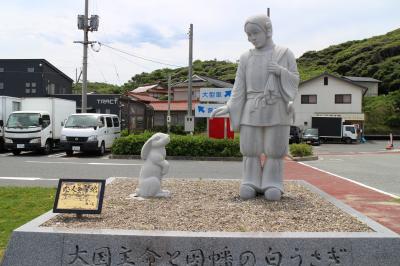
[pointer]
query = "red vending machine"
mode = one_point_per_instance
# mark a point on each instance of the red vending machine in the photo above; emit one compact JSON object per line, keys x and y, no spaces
{"x":219,"y":128}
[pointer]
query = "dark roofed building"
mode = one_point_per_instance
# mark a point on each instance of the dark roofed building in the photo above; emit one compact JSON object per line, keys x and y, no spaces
{"x":370,"y":83}
{"x":32,"y":78}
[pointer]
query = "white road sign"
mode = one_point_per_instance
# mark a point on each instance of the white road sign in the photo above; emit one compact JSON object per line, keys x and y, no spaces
{"x":205,"y":109}
{"x":220,"y":95}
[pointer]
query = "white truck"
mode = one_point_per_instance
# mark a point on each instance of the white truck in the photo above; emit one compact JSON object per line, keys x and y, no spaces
{"x":38,"y":125}
{"x":332,"y":128}
{"x":7,"y":106}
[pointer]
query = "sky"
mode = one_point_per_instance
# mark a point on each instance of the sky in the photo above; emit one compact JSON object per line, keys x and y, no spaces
{"x":158,"y":30}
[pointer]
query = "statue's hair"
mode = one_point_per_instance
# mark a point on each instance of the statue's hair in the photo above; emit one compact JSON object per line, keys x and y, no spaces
{"x":263,"y":21}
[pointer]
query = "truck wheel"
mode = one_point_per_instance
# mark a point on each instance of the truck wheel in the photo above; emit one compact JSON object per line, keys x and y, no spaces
{"x":347,"y":140}
{"x":69,"y":152}
{"x":47,"y":148}
{"x":16,"y":152}
{"x":102,"y":149}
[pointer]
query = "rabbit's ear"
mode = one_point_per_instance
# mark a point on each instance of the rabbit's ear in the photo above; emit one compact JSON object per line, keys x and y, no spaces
{"x":147,"y":147}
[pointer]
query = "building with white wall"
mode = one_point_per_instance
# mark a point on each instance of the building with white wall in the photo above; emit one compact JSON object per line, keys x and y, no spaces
{"x":370,"y":83}
{"x":329,"y":95}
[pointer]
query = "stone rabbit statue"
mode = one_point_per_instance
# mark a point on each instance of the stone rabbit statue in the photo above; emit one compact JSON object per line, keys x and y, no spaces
{"x":154,"y":168}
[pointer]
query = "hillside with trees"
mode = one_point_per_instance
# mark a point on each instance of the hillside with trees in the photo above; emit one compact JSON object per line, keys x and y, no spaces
{"x":377,"y":57}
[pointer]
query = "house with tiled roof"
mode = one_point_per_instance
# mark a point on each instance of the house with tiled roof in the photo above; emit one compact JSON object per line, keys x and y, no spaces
{"x":178,"y":110}
{"x":370,"y":83}
{"x":330,"y":95}
{"x":153,"y":90}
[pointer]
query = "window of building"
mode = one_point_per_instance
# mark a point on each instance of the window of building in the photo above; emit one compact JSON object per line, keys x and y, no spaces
{"x":33,"y":90}
{"x":343,"y":98}
{"x":30,"y":69}
{"x":33,"y":84}
{"x":1,"y":69}
{"x":108,"y":111}
{"x":1,"y":85}
{"x":27,"y":85}
{"x":325,"y":81}
{"x":309,"y":99}
{"x":27,"y":90}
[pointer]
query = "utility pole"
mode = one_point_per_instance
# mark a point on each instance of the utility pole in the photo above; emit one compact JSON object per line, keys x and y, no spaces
{"x":169,"y":105}
{"x":85,"y":59}
{"x":189,"y":119}
{"x":86,"y":24}
{"x":190,"y":70}
{"x":268,"y":12}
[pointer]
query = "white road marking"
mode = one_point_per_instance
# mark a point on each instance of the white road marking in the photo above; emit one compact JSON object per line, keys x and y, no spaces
{"x":350,"y":180}
{"x":27,"y":178}
{"x":56,"y":155}
{"x":133,"y":164}
{"x":20,"y":178}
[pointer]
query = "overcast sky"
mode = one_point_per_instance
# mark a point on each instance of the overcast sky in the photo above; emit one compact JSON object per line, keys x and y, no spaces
{"x":157,"y":30}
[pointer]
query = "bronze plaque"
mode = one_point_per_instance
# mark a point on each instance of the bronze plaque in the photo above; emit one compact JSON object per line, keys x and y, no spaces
{"x":79,"y":196}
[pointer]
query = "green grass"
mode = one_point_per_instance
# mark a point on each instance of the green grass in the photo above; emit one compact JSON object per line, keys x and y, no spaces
{"x":19,"y":205}
{"x":397,"y":200}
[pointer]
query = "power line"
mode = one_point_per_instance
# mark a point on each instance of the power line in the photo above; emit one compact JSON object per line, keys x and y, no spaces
{"x":140,"y":57}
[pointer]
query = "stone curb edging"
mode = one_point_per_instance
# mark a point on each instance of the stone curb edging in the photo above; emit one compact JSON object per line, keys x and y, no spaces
{"x":304,"y":158}
{"x":194,"y":158}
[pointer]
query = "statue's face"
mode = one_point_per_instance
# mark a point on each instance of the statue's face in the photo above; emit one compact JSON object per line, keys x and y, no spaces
{"x":256,"y":35}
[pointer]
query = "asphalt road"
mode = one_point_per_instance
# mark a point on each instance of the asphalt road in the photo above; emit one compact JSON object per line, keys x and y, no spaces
{"x":32,"y":169}
{"x":368,"y":163}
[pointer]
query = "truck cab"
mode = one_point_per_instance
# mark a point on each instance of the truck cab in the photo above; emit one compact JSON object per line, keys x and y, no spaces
{"x":349,"y":133}
{"x":27,"y":131}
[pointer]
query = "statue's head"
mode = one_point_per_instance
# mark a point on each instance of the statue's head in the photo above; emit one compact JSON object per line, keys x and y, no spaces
{"x":259,"y":30}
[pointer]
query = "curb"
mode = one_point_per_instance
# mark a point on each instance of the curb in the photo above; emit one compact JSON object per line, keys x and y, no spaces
{"x":189,"y":158}
{"x":305,"y":158}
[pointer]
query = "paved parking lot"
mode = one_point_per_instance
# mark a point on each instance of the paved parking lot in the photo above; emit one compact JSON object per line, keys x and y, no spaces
{"x":370,"y":163}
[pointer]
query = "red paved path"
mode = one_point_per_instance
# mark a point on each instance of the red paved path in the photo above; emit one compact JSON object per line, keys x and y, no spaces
{"x":373,"y":204}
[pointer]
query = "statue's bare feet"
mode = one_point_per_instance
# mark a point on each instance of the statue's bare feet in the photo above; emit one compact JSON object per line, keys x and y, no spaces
{"x":246,"y":192}
{"x":272,"y":194}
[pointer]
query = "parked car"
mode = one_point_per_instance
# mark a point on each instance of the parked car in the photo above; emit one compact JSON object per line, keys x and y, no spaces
{"x":311,"y":136}
{"x":90,"y":132}
{"x":295,"y":135}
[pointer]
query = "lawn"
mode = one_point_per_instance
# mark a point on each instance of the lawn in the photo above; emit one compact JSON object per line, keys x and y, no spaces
{"x":19,"y":205}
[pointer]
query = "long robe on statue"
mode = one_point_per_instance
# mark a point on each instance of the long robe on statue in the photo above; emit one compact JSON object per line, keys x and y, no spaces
{"x":258,"y":108}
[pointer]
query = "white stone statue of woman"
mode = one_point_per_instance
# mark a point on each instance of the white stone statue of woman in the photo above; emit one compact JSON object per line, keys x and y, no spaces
{"x":261,"y":109}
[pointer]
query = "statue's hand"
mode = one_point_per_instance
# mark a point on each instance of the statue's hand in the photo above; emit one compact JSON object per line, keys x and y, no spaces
{"x":273,"y":67}
{"x":219,"y":111}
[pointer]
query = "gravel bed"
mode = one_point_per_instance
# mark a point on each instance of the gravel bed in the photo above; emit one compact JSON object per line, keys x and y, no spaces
{"x":213,"y":205}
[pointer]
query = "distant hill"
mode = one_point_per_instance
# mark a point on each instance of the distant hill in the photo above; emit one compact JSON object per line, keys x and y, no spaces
{"x":377,"y":57}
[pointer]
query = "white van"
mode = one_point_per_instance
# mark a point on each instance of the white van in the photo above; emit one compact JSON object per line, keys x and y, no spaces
{"x":89,"y":132}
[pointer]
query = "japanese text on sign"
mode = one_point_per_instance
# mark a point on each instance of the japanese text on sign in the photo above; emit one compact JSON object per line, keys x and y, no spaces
{"x":205,"y":109}
{"x":79,"y":195}
{"x":224,"y":256}
{"x":215,"y":94}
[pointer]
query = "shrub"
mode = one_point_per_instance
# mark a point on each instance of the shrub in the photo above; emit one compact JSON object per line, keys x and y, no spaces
{"x":300,"y":150}
{"x":124,"y":132}
{"x":187,"y":145}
